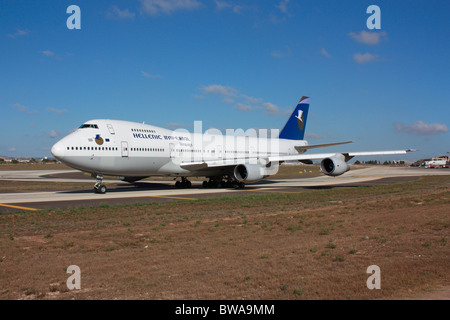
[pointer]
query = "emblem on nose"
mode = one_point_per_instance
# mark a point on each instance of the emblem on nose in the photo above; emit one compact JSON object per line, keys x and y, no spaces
{"x":99,"y":140}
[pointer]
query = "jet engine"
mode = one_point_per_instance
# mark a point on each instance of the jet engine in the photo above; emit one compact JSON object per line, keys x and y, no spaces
{"x":248,"y":172}
{"x":334,"y":166}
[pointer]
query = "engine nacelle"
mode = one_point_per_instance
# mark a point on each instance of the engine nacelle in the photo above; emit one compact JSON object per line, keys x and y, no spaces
{"x":334,"y":166}
{"x":248,"y":172}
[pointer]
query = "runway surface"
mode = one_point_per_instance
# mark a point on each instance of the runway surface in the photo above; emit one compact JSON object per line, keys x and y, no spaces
{"x":148,"y":191}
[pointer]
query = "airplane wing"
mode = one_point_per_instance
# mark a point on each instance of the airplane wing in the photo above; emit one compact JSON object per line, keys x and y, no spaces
{"x":347,"y":155}
{"x":201,"y":165}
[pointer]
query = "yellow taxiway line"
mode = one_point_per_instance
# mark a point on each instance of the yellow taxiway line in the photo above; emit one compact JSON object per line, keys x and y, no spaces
{"x":272,"y":190}
{"x":173,"y":197}
{"x":17,"y":207}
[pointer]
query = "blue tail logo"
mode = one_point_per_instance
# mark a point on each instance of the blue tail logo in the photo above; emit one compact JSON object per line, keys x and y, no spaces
{"x":294,"y":128}
{"x":300,"y":120}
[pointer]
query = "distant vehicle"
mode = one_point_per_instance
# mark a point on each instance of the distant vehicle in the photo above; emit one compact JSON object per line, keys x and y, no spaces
{"x":134,"y":151}
{"x":437,"y":163}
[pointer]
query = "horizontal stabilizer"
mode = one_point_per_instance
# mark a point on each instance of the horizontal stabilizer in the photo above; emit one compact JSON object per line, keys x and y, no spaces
{"x":314,"y":146}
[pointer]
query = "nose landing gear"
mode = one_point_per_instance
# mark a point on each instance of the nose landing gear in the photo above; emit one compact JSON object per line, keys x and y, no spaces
{"x":99,"y":186}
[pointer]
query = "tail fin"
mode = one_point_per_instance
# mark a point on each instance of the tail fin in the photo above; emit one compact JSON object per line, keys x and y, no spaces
{"x":294,"y":129}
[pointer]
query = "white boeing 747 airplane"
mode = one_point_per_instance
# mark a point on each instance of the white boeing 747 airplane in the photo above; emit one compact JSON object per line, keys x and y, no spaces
{"x":134,"y":151}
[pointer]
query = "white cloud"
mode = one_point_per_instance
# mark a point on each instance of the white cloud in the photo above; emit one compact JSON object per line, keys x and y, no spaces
{"x":21,"y":108}
{"x":325,"y":53}
{"x":228,"y":100}
{"x":57,"y":111}
{"x":283,"y":6}
{"x":252,"y":99}
{"x":236,"y":8}
{"x":228,"y":94}
{"x":178,"y":125}
{"x":54,"y":134}
{"x":244,"y":107}
{"x":276,"y":20}
{"x":370,"y":38}
{"x":243,"y":102}
{"x":48,"y":53}
{"x":19,"y":33}
{"x":12,"y":149}
{"x":285,"y":12}
{"x":221,"y":5}
{"x":282,"y":54}
{"x":219,"y":89}
{"x":421,"y":128}
{"x":151,"y":76}
{"x":311,"y":135}
{"x":115,"y":12}
{"x":364,"y":58}
{"x":155,"y":7}
{"x":271,"y":109}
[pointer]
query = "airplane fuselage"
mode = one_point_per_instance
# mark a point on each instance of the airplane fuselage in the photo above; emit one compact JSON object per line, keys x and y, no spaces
{"x":129,"y":149}
{"x":134,"y":151}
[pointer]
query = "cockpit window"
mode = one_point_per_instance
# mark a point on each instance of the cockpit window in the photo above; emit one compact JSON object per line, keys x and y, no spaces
{"x":87,"y":125}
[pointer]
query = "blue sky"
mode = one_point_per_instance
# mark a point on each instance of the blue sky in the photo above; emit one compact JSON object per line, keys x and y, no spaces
{"x":232,"y":64}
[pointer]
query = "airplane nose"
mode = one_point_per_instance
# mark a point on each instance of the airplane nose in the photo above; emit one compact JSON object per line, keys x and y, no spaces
{"x":58,"y":150}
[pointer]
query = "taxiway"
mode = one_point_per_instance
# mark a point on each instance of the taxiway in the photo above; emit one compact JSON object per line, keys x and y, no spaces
{"x":149,"y":191}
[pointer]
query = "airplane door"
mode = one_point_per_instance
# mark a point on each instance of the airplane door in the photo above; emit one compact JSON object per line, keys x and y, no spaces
{"x":110,"y":128}
{"x":172,"y":150}
{"x":219,"y":152}
{"x":124,"y":149}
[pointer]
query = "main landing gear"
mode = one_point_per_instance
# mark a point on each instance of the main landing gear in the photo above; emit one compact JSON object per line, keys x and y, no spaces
{"x":184,"y":183}
{"x":219,"y":182}
{"x":212,"y":183}
{"x":99,"y":186}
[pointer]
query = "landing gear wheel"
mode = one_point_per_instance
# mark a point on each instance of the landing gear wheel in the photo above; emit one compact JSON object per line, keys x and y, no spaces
{"x":239,"y":185}
{"x":99,"y":186}
{"x":101,"y":189}
{"x":184,"y":183}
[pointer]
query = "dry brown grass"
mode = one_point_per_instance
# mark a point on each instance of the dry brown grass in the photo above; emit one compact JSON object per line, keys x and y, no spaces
{"x":33,"y":166}
{"x":34,"y":186}
{"x":311,"y":245}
